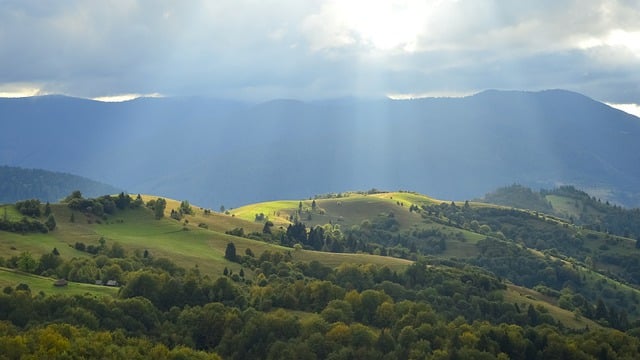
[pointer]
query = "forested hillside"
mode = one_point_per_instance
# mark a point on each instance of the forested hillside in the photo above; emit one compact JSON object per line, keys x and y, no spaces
{"x":573,"y":205}
{"x":351,"y":275}
{"x":22,"y":184}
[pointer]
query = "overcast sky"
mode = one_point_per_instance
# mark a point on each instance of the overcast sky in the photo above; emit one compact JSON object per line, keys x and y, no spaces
{"x":260,"y":50}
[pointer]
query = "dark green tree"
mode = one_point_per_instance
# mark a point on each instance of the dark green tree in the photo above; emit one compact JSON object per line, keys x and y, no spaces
{"x":50,"y":223}
{"x":316,"y":238}
{"x":296,"y":233}
{"x":48,"y":262}
{"x":532,"y":315}
{"x":138,"y":202}
{"x":185,"y":208}
{"x":47,"y":209}
{"x":76,"y":194}
{"x":601,"y":310}
{"x":230,"y":252}
{"x":266,"y":229}
{"x":117,"y":251}
{"x":27,"y":263}
{"x":123,"y":201}
{"x":158,"y":208}
{"x":29,"y":207}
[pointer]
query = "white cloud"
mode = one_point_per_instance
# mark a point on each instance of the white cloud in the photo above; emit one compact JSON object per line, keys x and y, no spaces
{"x":125,"y":97}
{"x":435,"y":94}
{"x":18,"y":90}
{"x":633,"y":109}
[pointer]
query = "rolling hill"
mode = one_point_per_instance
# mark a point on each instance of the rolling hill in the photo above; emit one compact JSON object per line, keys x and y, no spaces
{"x":367,"y":226}
{"x":229,"y":153}
{"x":475,"y":267}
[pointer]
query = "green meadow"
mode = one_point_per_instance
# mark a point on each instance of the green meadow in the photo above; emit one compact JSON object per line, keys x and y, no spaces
{"x":11,"y":277}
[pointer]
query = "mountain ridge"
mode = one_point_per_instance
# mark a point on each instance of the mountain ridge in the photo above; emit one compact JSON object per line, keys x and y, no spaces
{"x":220,"y":152}
{"x":22,"y":184}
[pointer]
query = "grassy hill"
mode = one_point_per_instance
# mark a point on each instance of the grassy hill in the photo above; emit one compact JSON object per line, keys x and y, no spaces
{"x":598,"y":258}
{"x":37,"y":284}
{"x":186,"y":242}
{"x":199,"y":240}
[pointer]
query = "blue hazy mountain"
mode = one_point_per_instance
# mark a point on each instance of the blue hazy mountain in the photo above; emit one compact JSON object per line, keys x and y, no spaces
{"x":22,"y":184}
{"x":214,"y":152}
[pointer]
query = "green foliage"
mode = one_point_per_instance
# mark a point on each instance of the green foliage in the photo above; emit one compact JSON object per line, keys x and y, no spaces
{"x":266,"y":229}
{"x":230,"y":252}
{"x":443,"y":309}
{"x":29,"y":207}
{"x":23,"y":226}
{"x":236,"y":232}
{"x":519,"y":196}
{"x":273,"y":304}
{"x":50,"y":223}
{"x":27,"y":263}
{"x":99,"y":206}
{"x":185,"y":208}
{"x":76,"y":194}
{"x":158,"y":207}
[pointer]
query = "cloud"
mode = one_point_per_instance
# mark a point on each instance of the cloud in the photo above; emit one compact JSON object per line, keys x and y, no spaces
{"x":267,"y":49}
{"x":633,"y":109}
{"x":125,"y":97}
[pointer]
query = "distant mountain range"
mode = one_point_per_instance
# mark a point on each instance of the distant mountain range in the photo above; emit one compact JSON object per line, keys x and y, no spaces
{"x":214,"y":152}
{"x":22,"y":184}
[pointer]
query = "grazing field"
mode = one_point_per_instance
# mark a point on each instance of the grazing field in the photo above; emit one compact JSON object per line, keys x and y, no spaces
{"x":185,"y":243}
{"x":10,"y":212}
{"x":277,"y":212}
{"x":10,"y":277}
{"x":335,"y":259}
{"x":523,"y":297}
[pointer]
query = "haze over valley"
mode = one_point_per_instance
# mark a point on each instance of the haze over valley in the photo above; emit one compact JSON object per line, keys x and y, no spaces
{"x":230,"y":153}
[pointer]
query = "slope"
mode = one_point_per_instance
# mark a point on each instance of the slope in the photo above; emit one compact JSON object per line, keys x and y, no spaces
{"x":191,"y":245}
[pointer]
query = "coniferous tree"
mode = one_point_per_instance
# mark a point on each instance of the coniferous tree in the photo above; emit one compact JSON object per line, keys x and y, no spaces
{"x":266,"y":229}
{"x":47,"y":209}
{"x":158,"y":208}
{"x":50,"y":223}
{"x":230,"y":252}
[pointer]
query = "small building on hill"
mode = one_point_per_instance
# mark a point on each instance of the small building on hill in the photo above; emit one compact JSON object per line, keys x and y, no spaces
{"x":60,"y":283}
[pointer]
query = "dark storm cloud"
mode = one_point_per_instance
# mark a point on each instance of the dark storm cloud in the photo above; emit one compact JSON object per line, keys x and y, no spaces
{"x":267,"y":49}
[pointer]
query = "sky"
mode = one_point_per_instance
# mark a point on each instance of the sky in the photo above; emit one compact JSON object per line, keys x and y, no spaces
{"x":114,"y":50}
